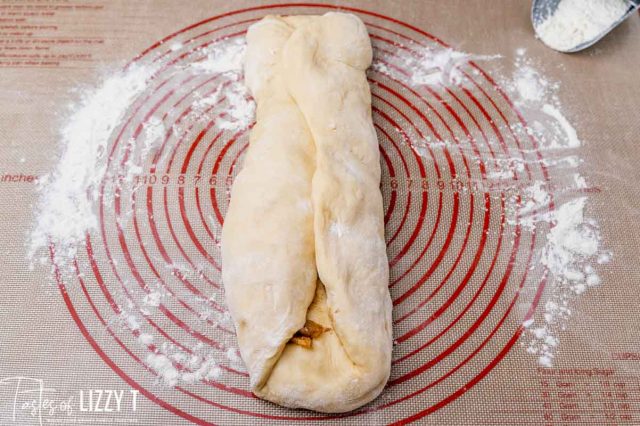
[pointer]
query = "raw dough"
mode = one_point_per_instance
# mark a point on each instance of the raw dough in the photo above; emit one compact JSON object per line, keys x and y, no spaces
{"x":304,"y":235}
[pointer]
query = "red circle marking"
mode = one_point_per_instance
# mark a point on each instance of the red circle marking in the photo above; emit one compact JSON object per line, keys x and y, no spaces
{"x":136,"y":274}
{"x":466,"y":279}
{"x":192,"y":288}
{"x":392,"y":174}
{"x":197,"y":192}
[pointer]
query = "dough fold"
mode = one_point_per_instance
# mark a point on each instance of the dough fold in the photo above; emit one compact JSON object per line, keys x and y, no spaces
{"x":303,"y":238}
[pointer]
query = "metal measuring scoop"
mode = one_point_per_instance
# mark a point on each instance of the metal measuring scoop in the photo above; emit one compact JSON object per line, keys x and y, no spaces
{"x":541,"y":10}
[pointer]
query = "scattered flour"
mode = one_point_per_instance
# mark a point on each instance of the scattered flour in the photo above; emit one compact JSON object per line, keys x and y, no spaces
{"x":174,"y":366}
{"x":164,"y":367}
{"x":145,"y":339}
{"x":222,"y":58}
{"x":66,"y":211}
{"x":570,"y":132}
{"x":429,"y":67}
{"x":232,"y":355}
{"x":69,"y":197}
{"x":530,"y":85}
{"x":67,"y":207}
{"x":575,"y":22}
{"x":153,"y":299}
{"x":241,"y":109}
{"x":571,"y":240}
{"x":233,"y":100}
{"x":206,"y":370}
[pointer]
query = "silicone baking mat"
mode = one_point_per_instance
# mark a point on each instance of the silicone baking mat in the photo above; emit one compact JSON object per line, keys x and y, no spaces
{"x":498,"y":318}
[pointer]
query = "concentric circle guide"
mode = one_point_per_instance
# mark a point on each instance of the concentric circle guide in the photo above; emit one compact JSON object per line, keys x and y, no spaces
{"x":461,"y":277}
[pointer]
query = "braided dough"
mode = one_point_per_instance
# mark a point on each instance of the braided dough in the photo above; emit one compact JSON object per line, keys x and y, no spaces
{"x":303,"y":238}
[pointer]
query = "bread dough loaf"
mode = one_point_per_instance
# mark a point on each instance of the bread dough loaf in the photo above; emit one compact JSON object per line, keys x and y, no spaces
{"x":303,"y":238}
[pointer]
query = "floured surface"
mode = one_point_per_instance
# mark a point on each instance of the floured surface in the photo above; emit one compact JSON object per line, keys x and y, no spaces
{"x":509,"y":182}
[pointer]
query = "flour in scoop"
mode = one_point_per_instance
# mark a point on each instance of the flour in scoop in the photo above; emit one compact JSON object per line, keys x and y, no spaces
{"x":575,"y":22}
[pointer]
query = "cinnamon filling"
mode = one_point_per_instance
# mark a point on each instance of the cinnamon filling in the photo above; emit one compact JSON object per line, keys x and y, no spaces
{"x":304,"y":337}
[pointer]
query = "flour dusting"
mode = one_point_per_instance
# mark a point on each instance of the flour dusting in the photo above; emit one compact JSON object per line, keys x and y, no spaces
{"x":91,"y":173}
{"x":239,"y":109}
{"x":69,"y":194}
{"x":66,"y":210}
{"x":429,"y":67}
{"x":221,"y":58}
{"x":573,"y":241}
{"x":566,"y":127}
{"x":555,"y":209}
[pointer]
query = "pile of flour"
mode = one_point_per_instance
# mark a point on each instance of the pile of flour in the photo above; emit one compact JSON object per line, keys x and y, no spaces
{"x":575,"y":22}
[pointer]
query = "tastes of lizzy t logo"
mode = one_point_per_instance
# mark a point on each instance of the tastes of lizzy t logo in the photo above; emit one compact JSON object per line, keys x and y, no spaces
{"x":27,"y":401}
